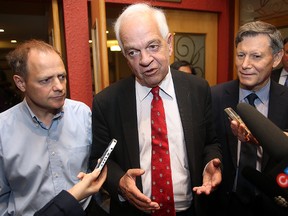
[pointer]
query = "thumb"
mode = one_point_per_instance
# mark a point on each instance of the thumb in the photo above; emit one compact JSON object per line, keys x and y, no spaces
{"x":135,"y":172}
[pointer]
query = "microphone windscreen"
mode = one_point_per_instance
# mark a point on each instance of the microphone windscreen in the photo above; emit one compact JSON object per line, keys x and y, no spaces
{"x":272,"y":138}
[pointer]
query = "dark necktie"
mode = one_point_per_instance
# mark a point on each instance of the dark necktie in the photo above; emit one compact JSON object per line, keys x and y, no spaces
{"x":162,"y":187}
{"x":248,"y":157}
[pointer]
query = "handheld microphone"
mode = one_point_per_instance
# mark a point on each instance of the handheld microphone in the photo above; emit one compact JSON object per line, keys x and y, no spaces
{"x":272,"y":138}
{"x":266,"y":184}
{"x":275,"y":142}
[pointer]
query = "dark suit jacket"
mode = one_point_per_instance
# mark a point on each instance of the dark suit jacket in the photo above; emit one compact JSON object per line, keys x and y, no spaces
{"x":64,"y":204}
{"x":275,"y":75}
{"x":227,"y":95}
{"x":114,"y":116}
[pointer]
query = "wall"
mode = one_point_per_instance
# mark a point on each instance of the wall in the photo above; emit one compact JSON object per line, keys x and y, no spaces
{"x":225,"y":11}
{"x":77,"y":50}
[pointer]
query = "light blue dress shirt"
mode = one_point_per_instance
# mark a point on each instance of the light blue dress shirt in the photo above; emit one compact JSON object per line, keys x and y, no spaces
{"x":37,"y":162}
{"x":261,"y":104}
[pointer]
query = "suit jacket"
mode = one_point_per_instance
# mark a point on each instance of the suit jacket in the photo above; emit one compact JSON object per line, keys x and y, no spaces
{"x":275,"y":75}
{"x":64,"y":204}
{"x":227,"y":95}
{"x":114,"y":116}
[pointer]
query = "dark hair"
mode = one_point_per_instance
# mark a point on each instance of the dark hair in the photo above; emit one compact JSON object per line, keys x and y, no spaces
{"x":17,"y":59}
{"x":177,"y":64}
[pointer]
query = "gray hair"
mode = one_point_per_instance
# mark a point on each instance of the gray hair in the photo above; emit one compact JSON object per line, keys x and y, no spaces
{"x":253,"y":29}
{"x":135,"y":10}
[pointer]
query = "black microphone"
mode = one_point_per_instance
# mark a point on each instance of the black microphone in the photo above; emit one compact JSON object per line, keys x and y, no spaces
{"x":272,"y":138}
{"x":267,"y":184}
{"x":275,"y":142}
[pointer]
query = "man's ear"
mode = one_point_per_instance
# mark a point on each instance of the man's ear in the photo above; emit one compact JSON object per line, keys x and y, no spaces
{"x":170,"y":43}
{"x":19,"y":82}
{"x":277,"y":58}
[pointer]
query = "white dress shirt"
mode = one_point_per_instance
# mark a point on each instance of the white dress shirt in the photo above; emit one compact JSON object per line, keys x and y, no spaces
{"x":283,"y":76}
{"x":179,"y":163}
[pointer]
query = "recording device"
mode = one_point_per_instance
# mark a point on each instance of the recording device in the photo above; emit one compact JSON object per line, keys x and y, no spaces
{"x":275,"y":143}
{"x":232,"y":115}
{"x":101,"y":163}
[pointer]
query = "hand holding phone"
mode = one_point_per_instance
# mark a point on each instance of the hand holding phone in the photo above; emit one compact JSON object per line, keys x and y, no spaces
{"x":232,"y":115}
{"x":102,"y":161}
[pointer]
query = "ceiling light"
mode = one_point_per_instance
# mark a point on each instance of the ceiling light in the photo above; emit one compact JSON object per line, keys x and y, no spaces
{"x":13,"y":41}
{"x":115,"y":48}
{"x":1,"y":30}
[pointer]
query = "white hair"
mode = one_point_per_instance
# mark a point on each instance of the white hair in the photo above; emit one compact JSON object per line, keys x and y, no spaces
{"x":135,"y":10}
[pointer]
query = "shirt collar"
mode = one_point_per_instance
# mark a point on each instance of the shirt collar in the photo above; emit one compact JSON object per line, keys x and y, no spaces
{"x":34,"y":117}
{"x":166,"y":86}
{"x":284,"y":73}
{"x":263,"y":93}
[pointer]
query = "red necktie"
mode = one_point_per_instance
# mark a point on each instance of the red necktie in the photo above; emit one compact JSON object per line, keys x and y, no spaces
{"x":162,"y":187}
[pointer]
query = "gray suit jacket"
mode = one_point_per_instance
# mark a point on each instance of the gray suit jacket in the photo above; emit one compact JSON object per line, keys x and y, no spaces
{"x":114,"y":116}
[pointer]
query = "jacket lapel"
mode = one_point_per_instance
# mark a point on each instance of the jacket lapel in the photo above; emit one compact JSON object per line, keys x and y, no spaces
{"x":127,"y":106}
{"x":229,"y":100}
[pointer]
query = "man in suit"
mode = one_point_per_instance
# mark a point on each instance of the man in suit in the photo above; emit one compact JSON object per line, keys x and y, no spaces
{"x":280,"y":75}
{"x":122,"y":111}
{"x":259,"y":49}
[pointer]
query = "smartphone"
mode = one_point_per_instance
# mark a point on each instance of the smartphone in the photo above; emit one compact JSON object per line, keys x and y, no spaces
{"x":232,"y":115}
{"x":101,"y":163}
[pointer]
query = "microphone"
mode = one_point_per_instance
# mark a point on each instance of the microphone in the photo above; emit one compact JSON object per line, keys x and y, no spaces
{"x":275,"y":142}
{"x":272,"y":138}
{"x":267,"y":185}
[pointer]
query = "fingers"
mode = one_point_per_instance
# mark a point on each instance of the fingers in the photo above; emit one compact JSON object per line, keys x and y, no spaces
{"x":81,"y":175}
{"x":216,"y":162}
{"x":212,"y":177}
{"x":141,"y":201}
{"x":242,"y":133}
{"x":132,"y":194}
{"x":103,"y":175}
{"x":234,"y":126}
{"x":203,"y":189}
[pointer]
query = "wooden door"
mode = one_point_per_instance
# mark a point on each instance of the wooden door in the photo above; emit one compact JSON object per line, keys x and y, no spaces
{"x":197,"y":23}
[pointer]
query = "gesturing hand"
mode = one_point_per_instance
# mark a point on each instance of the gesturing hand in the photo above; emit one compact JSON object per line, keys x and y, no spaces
{"x":131,"y":193}
{"x":212,"y":177}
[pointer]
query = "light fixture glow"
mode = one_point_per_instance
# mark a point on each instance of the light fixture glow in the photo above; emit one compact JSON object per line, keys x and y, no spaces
{"x":107,"y":32}
{"x":1,"y":30}
{"x":115,"y":48}
{"x":13,"y":41}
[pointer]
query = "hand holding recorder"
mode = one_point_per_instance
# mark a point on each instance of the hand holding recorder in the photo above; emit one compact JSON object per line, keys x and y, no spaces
{"x":102,"y":161}
{"x":239,"y":128}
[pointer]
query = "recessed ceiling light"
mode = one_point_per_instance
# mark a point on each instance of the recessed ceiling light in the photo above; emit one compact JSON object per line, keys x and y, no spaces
{"x":1,"y":30}
{"x":13,"y":41}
